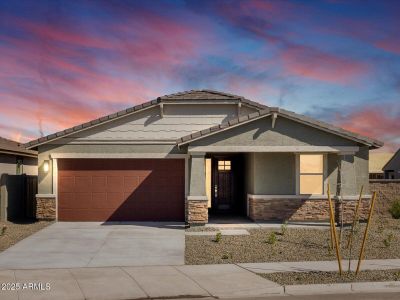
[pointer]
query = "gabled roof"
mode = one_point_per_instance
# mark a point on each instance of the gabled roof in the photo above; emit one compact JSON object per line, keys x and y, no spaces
{"x":372,"y":143}
{"x":11,"y":147}
{"x":394,"y":162}
{"x":192,"y":95}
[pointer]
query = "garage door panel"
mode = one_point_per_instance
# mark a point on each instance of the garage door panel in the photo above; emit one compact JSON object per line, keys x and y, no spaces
{"x":121,"y":190}
{"x":131,"y":183}
{"x":80,"y":200}
{"x":83,"y":183}
{"x":99,"y":183}
{"x":66,"y":183}
{"x":89,"y":215}
{"x":64,"y":199}
{"x":115,"y":183}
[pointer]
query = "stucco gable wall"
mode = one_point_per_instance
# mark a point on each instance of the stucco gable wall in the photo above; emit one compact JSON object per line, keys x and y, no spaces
{"x":285,"y":133}
{"x":178,"y":120}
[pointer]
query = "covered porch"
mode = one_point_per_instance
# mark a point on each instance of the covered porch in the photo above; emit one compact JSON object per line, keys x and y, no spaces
{"x":274,"y":165}
{"x":281,"y":185}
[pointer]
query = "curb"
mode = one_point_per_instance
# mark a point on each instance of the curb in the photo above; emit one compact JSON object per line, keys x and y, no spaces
{"x":343,"y":288}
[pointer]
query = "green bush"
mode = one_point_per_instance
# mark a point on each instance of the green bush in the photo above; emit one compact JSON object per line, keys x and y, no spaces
{"x":272,"y":238}
{"x":388,"y":241}
{"x":284,"y":227}
{"x":218,"y":237}
{"x":395,"y":209}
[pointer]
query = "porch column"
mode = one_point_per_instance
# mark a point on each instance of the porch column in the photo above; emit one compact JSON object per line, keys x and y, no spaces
{"x":348,"y":189}
{"x":196,"y":202}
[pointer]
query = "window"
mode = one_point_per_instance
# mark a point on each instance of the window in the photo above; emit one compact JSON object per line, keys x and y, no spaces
{"x":224,"y":165}
{"x":311,"y":174}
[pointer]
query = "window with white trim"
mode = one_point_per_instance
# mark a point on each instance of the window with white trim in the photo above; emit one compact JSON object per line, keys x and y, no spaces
{"x":311,"y":174}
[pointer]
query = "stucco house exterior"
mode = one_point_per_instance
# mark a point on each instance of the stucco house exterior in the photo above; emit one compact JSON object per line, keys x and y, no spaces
{"x":184,"y":156}
{"x":15,"y":159}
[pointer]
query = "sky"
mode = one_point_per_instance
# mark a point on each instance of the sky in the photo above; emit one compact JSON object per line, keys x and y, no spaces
{"x":63,"y":63}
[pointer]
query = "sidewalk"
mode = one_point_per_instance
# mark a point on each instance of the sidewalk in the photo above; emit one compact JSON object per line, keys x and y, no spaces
{"x":217,"y":281}
{"x":324,"y":266}
{"x":190,"y":281}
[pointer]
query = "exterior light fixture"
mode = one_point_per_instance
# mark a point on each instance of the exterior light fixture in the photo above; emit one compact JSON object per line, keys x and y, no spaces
{"x":46,"y":166}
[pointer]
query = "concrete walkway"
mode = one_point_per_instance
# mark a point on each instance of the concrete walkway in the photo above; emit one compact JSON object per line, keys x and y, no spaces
{"x":325,"y":266}
{"x":218,"y":281}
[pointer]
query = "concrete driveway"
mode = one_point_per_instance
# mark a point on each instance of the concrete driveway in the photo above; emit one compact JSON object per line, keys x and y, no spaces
{"x":90,"y":244}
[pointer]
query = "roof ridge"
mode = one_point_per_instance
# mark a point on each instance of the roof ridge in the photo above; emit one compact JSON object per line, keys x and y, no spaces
{"x":222,"y":93}
{"x":199,"y":91}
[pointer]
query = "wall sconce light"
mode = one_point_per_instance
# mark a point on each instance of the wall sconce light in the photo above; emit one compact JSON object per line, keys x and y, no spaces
{"x":46,"y":166}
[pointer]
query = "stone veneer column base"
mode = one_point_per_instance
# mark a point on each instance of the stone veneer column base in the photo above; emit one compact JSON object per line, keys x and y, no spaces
{"x":46,"y":208}
{"x":298,"y":209}
{"x":196,"y":210}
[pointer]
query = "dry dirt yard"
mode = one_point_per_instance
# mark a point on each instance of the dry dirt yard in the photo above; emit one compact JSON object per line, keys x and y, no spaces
{"x":13,"y":232}
{"x":294,"y":245}
{"x":332,"y":277}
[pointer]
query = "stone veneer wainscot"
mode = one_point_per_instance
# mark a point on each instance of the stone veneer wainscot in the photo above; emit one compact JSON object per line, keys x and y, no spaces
{"x":197,"y":212}
{"x":45,"y":207}
{"x":278,"y":208}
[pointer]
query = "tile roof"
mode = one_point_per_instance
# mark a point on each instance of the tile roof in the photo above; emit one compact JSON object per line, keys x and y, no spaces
{"x":16,"y":148}
{"x":197,"y":95}
{"x":192,"y":95}
{"x":297,"y":117}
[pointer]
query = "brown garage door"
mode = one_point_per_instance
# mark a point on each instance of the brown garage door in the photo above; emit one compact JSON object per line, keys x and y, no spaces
{"x":121,"y":189}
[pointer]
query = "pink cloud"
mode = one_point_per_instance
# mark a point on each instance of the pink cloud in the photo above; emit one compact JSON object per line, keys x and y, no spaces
{"x":379,"y":122}
{"x":318,"y":65}
{"x":391,"y":44}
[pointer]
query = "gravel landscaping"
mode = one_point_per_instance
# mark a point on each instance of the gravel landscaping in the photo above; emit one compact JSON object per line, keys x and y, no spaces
{"x":332,"y":277}
{"x":296,"y":244}
{"x":13,"y":232}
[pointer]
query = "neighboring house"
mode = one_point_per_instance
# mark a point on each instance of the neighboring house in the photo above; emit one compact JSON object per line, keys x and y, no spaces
{"x":392,"y":167}
{"x":15,"y":159}
{"x":185,"y":155}
{"x":376,"y":163}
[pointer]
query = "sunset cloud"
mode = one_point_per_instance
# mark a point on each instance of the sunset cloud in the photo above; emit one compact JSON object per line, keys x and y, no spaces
{"x":380,"y":122}
{"x":318,"y":65}
{"x":64,"y":65}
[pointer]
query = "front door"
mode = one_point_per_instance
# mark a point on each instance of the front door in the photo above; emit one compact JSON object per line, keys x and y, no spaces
{"x":223,"y":188}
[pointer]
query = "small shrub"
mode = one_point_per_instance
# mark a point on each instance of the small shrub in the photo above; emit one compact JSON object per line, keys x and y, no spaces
{"x":284,"y":227}
{"x":271,"y":239}
{"x":397,"y":276}
{"x":226,"y":256}
{"x":395,"y":209}
{"x":3,"y":230}
{"x":330,"y":249}
{"x":218,"y":237}
{"x":388,"y":241}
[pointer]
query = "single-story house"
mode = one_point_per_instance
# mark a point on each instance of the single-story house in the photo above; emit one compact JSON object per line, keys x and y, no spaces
{"x":376,"y":163}
{"x":184,"y":156}
{"x":392,"y":167}
{"x":15,"y":159}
